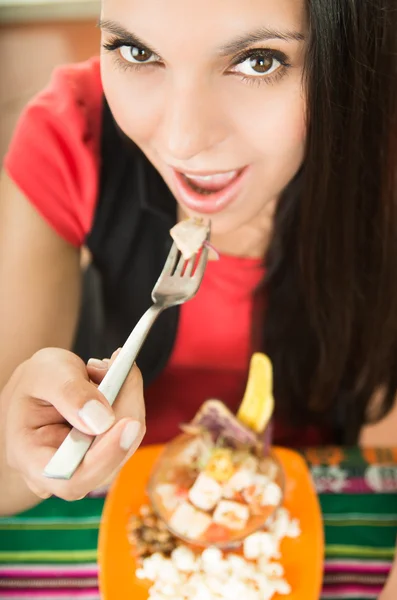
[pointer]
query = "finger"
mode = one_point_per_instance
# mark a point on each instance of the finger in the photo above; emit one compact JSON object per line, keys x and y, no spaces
{"x":60,"y":378}
{"x":38,"y":492}
{"x":129,"y":405}
{"x":102,"y":460}
{"x":97,"y":369}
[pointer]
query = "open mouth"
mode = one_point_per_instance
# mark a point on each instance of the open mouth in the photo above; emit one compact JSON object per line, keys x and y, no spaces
{"x":210,"y":184}
{"x":209,"y":192}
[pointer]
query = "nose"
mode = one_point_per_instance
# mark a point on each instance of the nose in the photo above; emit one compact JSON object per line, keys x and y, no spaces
{"x":192,"y":122}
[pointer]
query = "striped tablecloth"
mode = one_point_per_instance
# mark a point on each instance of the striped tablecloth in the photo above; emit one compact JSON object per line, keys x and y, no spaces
{"x":50,"y":552}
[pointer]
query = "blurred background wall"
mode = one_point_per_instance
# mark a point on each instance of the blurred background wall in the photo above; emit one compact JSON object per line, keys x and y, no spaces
{"x":35,"y":37}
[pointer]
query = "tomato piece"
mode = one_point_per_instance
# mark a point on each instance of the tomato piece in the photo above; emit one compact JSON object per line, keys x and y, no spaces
{"x":238,"y":497}
{"x":249,"y":493}
{"x":182,"y":492}
{"x":216,"y":533}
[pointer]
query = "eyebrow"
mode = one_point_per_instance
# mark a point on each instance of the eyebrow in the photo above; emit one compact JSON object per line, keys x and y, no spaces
{"x":127,"y":37}
{"x":259,"y":35}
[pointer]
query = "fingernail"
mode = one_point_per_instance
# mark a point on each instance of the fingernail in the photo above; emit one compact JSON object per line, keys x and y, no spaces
{"x":97,"y":364}
{"x":130,"y":435}
{"x":96,"y":416}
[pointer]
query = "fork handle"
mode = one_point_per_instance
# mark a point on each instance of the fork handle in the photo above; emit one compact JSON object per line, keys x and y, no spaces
{"x":73,"y":449}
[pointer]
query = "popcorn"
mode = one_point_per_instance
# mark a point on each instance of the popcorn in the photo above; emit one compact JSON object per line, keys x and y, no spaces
{"x":253,"y":546}
{"x":294,"y":529}
{"x":211,"y":555}
{"x":234,"y":589}
{"x":215,"y":583}
{"x":265,"y":587}
{"x":272,"y":495}
{"x":251,"y":594}
{"x":270,"y":569}
{"x":205,"y":492}
{"x":193,"y":584}
{"x":212,"y":561}
{"x":259,"y":544}
{"x":237,"y":564}
{"x":189,"y":522}
{"x":213,"y":575}
{"x":151,"y":567}
{"x":282,"y":587}
{"x":280,"y":525}
{"x":184,"y":559}
{"x":140,"y":574}
{"x":168,"y":590}
{"x":202,"y":593}
{"x":233,"y":515}
{"x":169,"y":573}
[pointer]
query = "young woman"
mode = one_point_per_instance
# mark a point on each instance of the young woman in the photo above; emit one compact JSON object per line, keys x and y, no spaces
{"x":276,"y":119}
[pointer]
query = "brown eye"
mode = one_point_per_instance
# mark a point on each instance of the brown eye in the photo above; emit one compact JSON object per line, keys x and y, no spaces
{"x":135,"y":54}
{"x":261,"y":64}
{"x":258,"y":65}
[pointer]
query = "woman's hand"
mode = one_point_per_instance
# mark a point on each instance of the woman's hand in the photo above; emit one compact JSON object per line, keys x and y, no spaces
{"x":53,"y":391}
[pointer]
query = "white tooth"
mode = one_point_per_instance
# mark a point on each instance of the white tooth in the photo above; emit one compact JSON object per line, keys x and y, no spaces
{"x":214,"y":178}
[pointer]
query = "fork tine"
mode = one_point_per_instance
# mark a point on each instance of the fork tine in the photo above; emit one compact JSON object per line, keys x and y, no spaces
{"x":190,"y":266}
{"x":202,"y":263}
{"x":179,"y":266}
{"x":203,"y":258}
{"x":171,"y":259}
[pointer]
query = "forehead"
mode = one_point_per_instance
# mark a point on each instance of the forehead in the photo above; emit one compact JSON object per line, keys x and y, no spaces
{"x":207,"y":23}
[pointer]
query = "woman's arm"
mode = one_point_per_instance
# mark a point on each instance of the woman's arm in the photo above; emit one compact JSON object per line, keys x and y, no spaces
{"x":39,"y":299}
{"x":52,"y":390}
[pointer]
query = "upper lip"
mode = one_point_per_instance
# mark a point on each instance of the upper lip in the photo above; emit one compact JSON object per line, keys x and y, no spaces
{"x":205,"y":173}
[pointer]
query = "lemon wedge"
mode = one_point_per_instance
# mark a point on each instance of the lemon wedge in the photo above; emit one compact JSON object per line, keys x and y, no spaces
{"x":257,"y":406}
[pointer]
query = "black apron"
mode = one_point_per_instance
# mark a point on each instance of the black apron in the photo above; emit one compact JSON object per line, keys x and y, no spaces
{"x":129,"y":242}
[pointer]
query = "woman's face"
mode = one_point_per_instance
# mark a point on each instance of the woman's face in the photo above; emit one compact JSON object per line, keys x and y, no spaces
{"x":212,"y":93}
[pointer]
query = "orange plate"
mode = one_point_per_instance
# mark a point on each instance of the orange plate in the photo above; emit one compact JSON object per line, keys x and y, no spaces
{"x":302,"y":558}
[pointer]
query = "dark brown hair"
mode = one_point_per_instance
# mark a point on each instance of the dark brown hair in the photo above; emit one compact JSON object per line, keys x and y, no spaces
{"x":331,"y":323}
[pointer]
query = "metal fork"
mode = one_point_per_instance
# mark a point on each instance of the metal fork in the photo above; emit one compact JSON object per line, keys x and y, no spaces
{"x":178,"y":282}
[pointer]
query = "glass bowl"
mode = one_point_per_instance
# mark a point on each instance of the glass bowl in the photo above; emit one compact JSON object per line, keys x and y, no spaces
{"x":214,"y":497}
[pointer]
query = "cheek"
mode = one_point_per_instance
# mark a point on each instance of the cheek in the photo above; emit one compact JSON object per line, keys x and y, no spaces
{"x":273,"y":122}
{"x":133,"y":100}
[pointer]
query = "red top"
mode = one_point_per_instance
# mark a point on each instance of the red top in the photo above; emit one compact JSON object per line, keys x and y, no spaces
{"x":54,"y":158}
{"x":213,"y":347}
